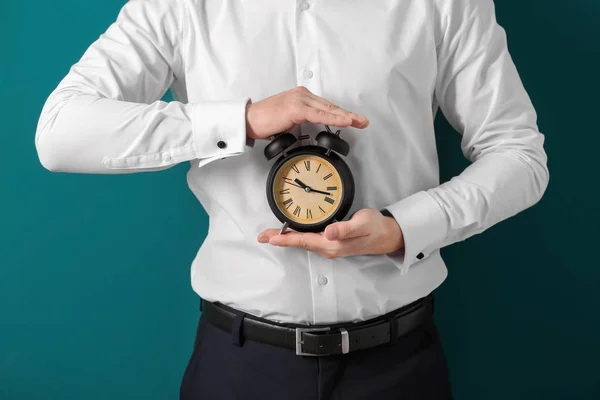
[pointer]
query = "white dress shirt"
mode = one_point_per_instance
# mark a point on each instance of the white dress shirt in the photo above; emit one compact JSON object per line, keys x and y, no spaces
{"x":395,"y":61}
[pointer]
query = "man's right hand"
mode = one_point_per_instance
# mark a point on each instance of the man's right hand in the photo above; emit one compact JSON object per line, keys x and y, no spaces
{"x":282,"y":111}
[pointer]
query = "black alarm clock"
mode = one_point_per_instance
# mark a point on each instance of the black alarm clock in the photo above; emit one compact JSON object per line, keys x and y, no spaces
{"x":309,"y":186}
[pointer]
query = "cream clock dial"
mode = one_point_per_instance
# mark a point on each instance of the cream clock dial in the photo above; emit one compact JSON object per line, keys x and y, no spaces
{"x":308,"y":189}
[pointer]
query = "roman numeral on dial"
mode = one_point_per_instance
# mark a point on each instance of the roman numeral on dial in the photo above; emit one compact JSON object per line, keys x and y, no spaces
{"x":329,"y":200}
{"x":329,"y":175}
{"x":323,"y":211}
{"x":297,"y":211}
{"x":295,"y":168}
{"x":308,"y":213}
{"x":307,"y":165}
{"x":331,"y":187}
{"x":288,"y":203}
{"x":284,"y":191}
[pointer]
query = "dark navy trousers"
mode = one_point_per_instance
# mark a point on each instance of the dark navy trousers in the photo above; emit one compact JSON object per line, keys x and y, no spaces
{"x":414,"y":368}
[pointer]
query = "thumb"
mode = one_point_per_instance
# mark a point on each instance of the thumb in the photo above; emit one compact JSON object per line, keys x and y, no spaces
{"x":346,"y":229}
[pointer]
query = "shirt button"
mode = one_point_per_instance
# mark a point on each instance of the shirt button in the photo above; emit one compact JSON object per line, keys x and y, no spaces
{"x":167,"y":158}
{"x":221,"y":144}
{"x":322,"y":280}
{"x":308,"y":73}
{"x":304,"y":5}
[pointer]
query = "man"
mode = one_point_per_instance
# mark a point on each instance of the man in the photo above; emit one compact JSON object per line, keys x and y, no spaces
{"x":243,"y":71}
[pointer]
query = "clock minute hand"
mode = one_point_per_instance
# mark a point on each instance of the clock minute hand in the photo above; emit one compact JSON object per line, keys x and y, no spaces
{"x":318,"y":191}
{"x":304,"y":186}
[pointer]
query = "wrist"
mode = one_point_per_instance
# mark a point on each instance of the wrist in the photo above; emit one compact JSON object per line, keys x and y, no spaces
{"x":249,"y":131}
{"x":396,"y":235}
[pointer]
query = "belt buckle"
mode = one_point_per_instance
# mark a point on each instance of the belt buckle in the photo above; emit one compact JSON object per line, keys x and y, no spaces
{"x":300,"y":351}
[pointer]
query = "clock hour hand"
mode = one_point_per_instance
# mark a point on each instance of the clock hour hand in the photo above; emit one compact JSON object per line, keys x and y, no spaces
{"x":308,"y":188}
{"x":302,"y":185}
{"x":289,"y":182}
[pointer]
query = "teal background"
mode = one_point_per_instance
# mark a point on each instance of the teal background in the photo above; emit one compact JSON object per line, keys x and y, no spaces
{"x":95,"y":298}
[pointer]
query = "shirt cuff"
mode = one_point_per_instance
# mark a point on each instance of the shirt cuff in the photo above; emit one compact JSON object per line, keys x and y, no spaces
{"x":219,"y":129}
{"x":424,"y":226}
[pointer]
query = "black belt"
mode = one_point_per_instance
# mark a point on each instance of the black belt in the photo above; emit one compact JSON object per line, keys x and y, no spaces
{"x":320,"y":340}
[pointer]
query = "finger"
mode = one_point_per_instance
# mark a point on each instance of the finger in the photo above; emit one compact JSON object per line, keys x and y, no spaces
{"x":265,"y":235}
{"x":345,"y":248}
{"x":352,"y":228}
{"x":318,"y":116}
{"x":307,"y":241}
{"x":360,"y":124}
{"x":322,"y":104}
{"x":358,"y":120}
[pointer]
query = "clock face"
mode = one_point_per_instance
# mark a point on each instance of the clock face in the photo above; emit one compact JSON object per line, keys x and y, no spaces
{"x":307,"y":189}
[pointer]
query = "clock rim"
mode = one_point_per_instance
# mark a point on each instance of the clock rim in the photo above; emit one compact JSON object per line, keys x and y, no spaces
{"x":345,"y":176}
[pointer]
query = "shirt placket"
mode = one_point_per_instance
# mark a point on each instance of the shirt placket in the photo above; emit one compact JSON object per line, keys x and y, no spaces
{"x":307,"y":46}
{"x":308,"y":74}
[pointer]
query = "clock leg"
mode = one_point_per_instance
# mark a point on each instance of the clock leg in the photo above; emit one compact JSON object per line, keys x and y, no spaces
{"x":283,"y":228}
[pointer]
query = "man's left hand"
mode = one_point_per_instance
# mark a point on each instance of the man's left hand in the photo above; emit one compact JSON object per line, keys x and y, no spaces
{"x":367,"y":232}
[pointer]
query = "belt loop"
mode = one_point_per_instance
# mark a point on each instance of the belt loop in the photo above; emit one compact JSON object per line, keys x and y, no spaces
{"x":393,"y":330}
{"x":237,"y":331}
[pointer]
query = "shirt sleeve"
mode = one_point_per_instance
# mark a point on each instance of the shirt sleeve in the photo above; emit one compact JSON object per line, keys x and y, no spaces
{"x":106,"y":115}
{"x":480,"y":93}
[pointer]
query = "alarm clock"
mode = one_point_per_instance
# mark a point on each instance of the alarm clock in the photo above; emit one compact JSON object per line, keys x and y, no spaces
{"x":309,"y":186}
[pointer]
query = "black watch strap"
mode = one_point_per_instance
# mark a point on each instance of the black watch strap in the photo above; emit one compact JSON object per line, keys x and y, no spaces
{"x":385,"y":212}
